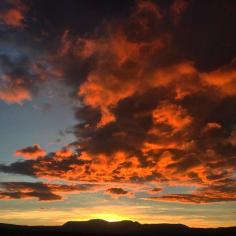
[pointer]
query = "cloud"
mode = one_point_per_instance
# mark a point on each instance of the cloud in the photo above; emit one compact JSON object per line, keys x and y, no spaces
{"x":31,"y":152}
{"x":22,"y":75}
{"x":15,"y":93}
{"x":25,"y":66}
{"x":211,"y":126}
{"x":172,"y":116}
{"x":18,"y":190}
{"x":178,"y":8}
{"x":155,"y":190}
{"x":39,"y":190}
{"x":13,"y":14}
{"x":12,"y":17}
{"x":223,"y":79}
{"x":148,"y":110}
{"x":190,"y":198}
{"x":16,"y":79}
{"x":216,"y":193}
{"x":116,"y":192}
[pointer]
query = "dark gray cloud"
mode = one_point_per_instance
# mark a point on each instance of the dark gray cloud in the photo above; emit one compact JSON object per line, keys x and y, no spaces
{"x":39,"y":190}
{"x":221,"y":192}
{"x":117,"y":191}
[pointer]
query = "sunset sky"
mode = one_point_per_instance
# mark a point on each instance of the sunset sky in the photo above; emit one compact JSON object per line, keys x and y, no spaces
{"x":118,"y":110}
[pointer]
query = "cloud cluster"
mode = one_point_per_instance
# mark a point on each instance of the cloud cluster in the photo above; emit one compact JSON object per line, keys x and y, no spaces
{"x":12,"y":13}
{"x":14,"y":78}
{"x":210,"y":194}
{"x":23,"y":70}
{"x":39,"y":190}
{"x":149,"y":111}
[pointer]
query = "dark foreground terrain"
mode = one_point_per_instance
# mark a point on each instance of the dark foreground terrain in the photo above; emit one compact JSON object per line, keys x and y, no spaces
{"x":101,"y":227}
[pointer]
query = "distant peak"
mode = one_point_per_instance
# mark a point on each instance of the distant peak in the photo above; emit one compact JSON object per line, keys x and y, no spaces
{"x":100,"y":221}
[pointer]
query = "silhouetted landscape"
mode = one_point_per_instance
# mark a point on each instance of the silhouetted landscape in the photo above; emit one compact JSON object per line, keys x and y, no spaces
{"x":102,"y":227}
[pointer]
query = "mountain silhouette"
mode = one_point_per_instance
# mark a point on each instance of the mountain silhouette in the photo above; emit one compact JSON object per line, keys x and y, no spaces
{"x":102,"y":227}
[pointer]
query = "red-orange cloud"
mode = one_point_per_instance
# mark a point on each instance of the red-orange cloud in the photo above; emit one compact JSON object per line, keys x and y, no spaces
{"x":31,"y":151}
{"x":14,"y":16}
{"x":14,"y":90}
{"x":147,"y":112}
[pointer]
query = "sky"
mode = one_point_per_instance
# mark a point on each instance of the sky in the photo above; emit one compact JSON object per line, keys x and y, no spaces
{"x":118,"y":110}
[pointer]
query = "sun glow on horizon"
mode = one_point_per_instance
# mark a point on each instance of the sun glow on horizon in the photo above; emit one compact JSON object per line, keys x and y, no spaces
{"x":109,"y":216}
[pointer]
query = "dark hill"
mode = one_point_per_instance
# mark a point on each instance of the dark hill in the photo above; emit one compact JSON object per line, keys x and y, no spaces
{"x":102,"y":227}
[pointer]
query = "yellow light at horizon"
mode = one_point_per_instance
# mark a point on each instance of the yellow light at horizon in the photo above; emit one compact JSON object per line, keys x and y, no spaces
{"x":111,"y":217}
{"x":109,"y":213}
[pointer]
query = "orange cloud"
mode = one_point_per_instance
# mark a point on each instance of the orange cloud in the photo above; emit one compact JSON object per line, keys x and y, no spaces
{"x":146,"y":114}
{"x":119,"y":65}
{"x":15,"y":15}
{"x":14,"y":90}
{"x":211,"y":126}
{"x":31,"y":152}
{"x":171,"y":115}
{"x":223,"y":79}
{"x":104,"y":91}
{"x":103,"y":88}
{"x":15,"y":95}
{"x":12,"y":17}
